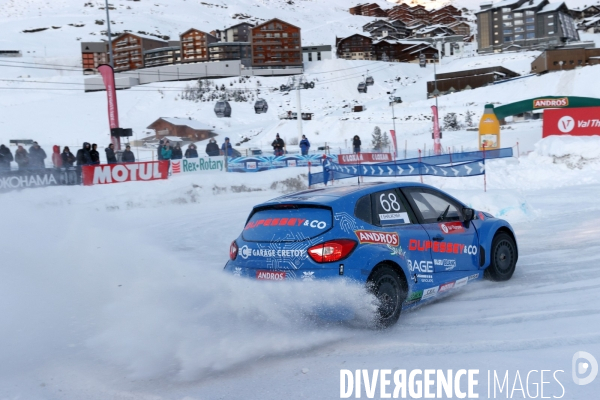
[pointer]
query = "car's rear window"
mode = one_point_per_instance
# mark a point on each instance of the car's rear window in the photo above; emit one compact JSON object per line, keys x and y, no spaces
{"x":287,"y":223}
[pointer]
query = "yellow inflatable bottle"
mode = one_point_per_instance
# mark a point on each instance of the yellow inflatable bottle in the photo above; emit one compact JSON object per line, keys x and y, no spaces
{"x":489,"y":129}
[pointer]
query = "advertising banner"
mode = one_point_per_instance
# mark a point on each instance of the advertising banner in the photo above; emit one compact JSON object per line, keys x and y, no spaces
{"x":29,"y":179}
{"x":393,"y":134}
{"x":108,"y":77}
{"x":584,"y":121}
{"x":437,"y":146}
{"x":127,"y":172}
{"x":359,"y":158}
{"x":257,"y":163}
{"x":198,"y":165}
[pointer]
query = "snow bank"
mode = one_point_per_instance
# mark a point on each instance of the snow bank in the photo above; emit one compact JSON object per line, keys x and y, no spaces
{"x":584,"y":148}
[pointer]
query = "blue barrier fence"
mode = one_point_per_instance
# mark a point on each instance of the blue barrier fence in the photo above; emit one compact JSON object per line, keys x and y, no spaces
{"x":448,"y":166}
{"x":256,"y":163}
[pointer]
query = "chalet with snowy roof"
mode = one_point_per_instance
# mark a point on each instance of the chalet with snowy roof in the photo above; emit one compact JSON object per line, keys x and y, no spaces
{"x":184,"y":128}
{"x":590,"y":25}
{"x":585,"y":12}
{"x":433,"y":31}
{"x":528,"y":24}
{"x":194,"y":45}
{"x":461,"y":28}
{"x":129,"y":48}
{"x":276,"y":43}
{"x":355,"y":47}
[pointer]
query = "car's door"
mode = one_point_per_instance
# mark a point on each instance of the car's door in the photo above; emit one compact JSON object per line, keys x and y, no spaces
{"x":391,"y":213}
{"x":454,"y":244}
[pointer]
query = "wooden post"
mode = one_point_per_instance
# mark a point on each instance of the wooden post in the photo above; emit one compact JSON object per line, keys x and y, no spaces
{"x":484,"y":171}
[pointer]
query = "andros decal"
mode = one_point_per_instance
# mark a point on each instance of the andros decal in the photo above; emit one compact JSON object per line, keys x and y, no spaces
{"x":374,"y":237}
{"x":270,"y":275}
{"x":446,"y":286}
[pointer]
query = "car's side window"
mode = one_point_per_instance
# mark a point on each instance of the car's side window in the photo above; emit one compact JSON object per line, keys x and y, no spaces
{"x":389,"y":208}
{"x":434,"y":207}
{"x":362,"y":210}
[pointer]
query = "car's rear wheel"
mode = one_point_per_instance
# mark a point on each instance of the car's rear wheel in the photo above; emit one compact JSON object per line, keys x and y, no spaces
{"x":503,"y":258}
{"x":387,"y":286}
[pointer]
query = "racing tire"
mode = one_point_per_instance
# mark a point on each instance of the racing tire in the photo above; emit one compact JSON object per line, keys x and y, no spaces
{"x":503,"y":258}
{"x":387,"y":286}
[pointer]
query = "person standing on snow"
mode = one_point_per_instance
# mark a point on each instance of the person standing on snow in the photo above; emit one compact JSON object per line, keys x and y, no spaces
{"x":22,"y":158}
{"x":191,"y":151}
{"x":128,"y":155}
{"x":37,"y":155}
{"x":161,"y":143}
{"x":304,"y":145}
{"x":278,"y":145}
{"x":110,"y":154}
{"x":177,"y":154}
{"x":94,"y":154}
{"x":212,"y":148}
{"x":226,"y":148}
{"x":5,"y":158}
{"x":356,"y":144}
{"x":56,"y":159}
{"x":83,"y":155}
{"x":67,"y":157}
{"x":166,"y":151}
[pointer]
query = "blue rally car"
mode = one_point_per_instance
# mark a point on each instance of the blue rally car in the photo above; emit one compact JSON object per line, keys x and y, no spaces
{"x":407,"y":242}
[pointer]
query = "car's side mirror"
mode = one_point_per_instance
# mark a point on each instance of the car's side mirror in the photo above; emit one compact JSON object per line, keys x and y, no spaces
{"x":469,"y":214}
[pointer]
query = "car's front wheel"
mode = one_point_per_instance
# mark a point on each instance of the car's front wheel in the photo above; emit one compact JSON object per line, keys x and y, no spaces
{"x":387,"y":286}
{"x":503,"y":258}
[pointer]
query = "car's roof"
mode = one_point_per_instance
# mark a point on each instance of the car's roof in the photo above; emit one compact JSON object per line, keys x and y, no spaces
{"x":331,"y":194}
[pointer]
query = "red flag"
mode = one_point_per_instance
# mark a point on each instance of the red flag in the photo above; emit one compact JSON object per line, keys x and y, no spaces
{"x":437,"y":146}
{"x":393,"y":134}
{"x":108,"y":76}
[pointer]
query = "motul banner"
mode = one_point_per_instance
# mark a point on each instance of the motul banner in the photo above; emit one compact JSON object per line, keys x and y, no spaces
{"x":358,"y":158}
{"x":128,"y":172}
{"x":108,"y":76}
{"x":584,"y":121}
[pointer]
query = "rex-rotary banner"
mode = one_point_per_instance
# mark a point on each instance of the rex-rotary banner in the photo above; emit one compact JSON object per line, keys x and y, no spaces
{"x":128,"y":172}
{"x":358,"y":158}
{"x":198,"y":165}
{"x":583,"y":121}
{"x":108,"y":77}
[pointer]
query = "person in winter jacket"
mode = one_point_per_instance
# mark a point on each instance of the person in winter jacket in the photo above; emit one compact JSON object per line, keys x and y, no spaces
{"x":83,"y":155}
{"x":128,"y":155}
{"x":37,"y":155}
{"x":177,"y":154}
{"x":56,"y":159}
{"x":161,"y":143}
{"x":22,"y":158}
{"x":226,"y":148}
{"x":5,"y":158}
{"x":167,"y":151}
{"x":304,"y":145}
{"x":111,"y":158}
{"x":212,"y":148}
{"x":356,"y":144}
{"x":278,"y":145}
{"x":94,"y":154}
{"x":191,"y":152}
{"x":67,"y":157}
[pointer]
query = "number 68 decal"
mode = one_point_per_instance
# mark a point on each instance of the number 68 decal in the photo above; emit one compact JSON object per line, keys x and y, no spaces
{"x":389,"y":204}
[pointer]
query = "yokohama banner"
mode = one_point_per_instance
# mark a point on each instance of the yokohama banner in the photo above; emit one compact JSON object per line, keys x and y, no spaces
{"x":359,"y":158}
{"x":128,"y":172}
{"x":584,"y":121}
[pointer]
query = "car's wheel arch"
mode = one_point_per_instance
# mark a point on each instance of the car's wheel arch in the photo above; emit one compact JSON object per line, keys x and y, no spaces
{"x":396,"y":267}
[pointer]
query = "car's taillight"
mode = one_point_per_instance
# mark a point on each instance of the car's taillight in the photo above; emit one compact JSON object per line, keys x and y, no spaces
{"x":233,"y":250}
{"x":331,"y":251}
